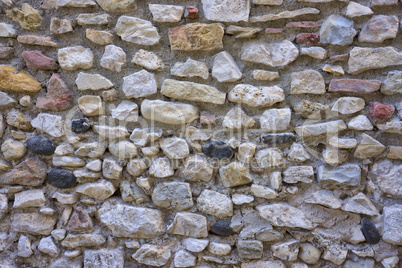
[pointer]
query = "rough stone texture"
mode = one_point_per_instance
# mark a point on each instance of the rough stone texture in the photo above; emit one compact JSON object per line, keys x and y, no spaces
{"x":166,"y":13}
{"x":21,"y":81}
{"x":379,"y":28}
{"x":33,"y":223}
{"x":234,"y":174}
{"x":226,"y":10}
{"x":256,"y":96}
{"x":73,"y":58}
{"x":284,"y":215}
{"x":151,"y":255}
{"x":189,"y":224}
{"x":392,"y":227}
{"x":175,"y":113}
{"x":139,"y":84}
{"x":307,"y":82}
{"x":366,"y":58}
{"x":137,"y":31}
{"x":348,"y":174}
{"x":58,"y":97}
{"x":190,"y":68}
{"x":392,"y":84}
{"x":225,"y":68}
{"x":285,"y":14}
{"x":214,"y":203}
{"x":176,"y":195}
{"x":354,"y":86}
{"x":337,"y":30}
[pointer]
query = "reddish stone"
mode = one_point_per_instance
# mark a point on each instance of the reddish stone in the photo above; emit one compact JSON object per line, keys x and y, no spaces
{"x":31,"y":172}
{"x":303,"y":25}
{"x":207,"y":118}
{"x":307,"y":38}
{"x":354,"y":85}
{"x":380,"y":111}
{"x":58,"y":95}
{"x":36,"y":60}
{"x":80,"y":221}
{"x":192,"y":12}
{"x":337,"y":58}
{"x":36,"y":40}
{"x":273,"y":30}
{"x":381,"y":3}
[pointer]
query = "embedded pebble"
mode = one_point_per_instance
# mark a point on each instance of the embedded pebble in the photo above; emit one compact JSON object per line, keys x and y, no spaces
{"x":41,"y":145}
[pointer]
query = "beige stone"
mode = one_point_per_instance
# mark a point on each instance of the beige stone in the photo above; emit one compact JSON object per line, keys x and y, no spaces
{"x":117,"y":5}
{"x":137,"y":31}
{"x":174,"y":113}
{"x":90,"y":105}
{"x":236,"y":118}
{"x":148,"y":60}
{"x":32,"y":223}
{"x":256,"y":96}
{"x":235,"y":174}
{"x":367,"y":58}
{"x":307,"y":82}
{"x":99,"y":37}
{"x":100,"y":190}
{"x":82,"y":240}
{"x":288,"y":14}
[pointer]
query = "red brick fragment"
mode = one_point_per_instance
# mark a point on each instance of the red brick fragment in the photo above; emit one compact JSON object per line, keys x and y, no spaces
{"x":37,"y":61}
{"x":337,"y":58}
{"x":273,"y":30}
{"x":303,"y":25}
{"x":307,"y":38}
{"x":58,"y":97}
{"x":380,"y":111}
{"x":192,"y":12}
{"x":354,"y":85}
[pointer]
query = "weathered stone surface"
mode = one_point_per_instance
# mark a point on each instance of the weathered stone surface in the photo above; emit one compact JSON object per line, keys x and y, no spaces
{"x":92,"y":149}
{"x":298,"y":153}
{"x":152,"y":255}
{"x":335,"y":253}
{"x":284,"y":215}
{"x":68,"y":161}
{"x":173,"y":195}
{"x":215,"y":204}
{"x":58,"y":97}
{"x":235,"y":174}
{"x":47,"y":246}
{"x":314,"y":52}
{"x":13,"y":149}
{"x":190,"y":68}
{"x":307,"y":38}
{"x":148,"y":60}
{"x":222,"y":227}
{"x":126,"y":111}
{"x":333,"y":69}
{"x":249,"y":249}
{"x":392,"y":227}
{"x":6,"y":52}
{"x":395,"y":152}
{"x":24,"y":247}
{"x":61,"y":178}
{"x":286,"y":250}
{"x":263,"y":192}
{"x":348,"y":105}
{"x":219,"y":249}
{"x":80,"y":221}
{"x":7,"y":30}
{"x":161,"y":168}
{"x":226,"y":10}
{"x":288,"y":14}
{"x":307,"y":82}
{"x":387,"y":177}
{"x":117,"y":6}
{"x":381,"y":112}
{"x":175,"y":148}
{"x":379,"y":28}
{"x":21,"y":81}
{"x":370,"y":232}
{"x":360,"y":204}
{"x":38,"y":61}
{"x":106,"y":258}
{"x":271,"y":54}
{"x":354,"y":86}
{"x":123,"y":149}
{"x":263,"y":75}
{"x":192,"y":91}
{"x":99,"y":37}
{"x":256,"y":96}
{"x":197,"y":168}
{"x":217,"y":149}
{"x":73,"y":58}
{"x":383,"y":3}
{"x":347,"y":174}
{"x":393,"y":83}
{"x":90,"y":105}
{"x":82,"y":240}
{"x":183,"y":258}
{"x":360,"y":122}
{"x":67,"y":3}
{"x":28,"y":17}
{"x":29,"y":198}
{"x":93,"y":19}
{"x":30,"y":172}
{"x":295,"y":174}
{"x":275,"y":120}
{"x":189,"y":224}
{"x":137,"y":31}
{"x":242,"y":32}
{"x":367,"y":58}
{"x":337,"y":30}
{"x":196,"y":36}
{"x":139,"y":84}
{"x":100,"y":190}
{"x":236,"y":118}
{"x":246,"y":152}
{"x":312,"y":110}
{"x":270,"y":158}
{"x":113,"y":58}
{"x":32,"y":223}
{"x":324,"y":198}
{"x":86,"y":81}
{"x":166,"y":13}
{"x":321,"y":128}
{"x":355,"y":10}
{"x":368,"y":147}
{"x":60,"y":26}
{"x":310,"y":25}
{"x":225,"y":68}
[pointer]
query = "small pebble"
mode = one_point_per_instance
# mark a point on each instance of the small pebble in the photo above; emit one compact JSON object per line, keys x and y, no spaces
{"x":25,"y":101}
{"x":41,"y":145}
{"x":80,"y":125}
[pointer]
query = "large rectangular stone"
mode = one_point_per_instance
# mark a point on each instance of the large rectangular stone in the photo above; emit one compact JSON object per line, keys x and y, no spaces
{"x":354,"y":85}
{"x":321,"y":128}
{"x":32,"y":223}
{"x":347,"y":174}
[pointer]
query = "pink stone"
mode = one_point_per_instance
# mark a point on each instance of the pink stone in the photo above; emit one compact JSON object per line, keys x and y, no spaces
{"x":354,"y":85}
{"x":36,"y":40}
{"x":192,"y":12}
{"x":36,"y":60}
{"x":273,"y":30}
{"x":342,"y":57}
{"x":307,"y":38}
{"x":303,"y":25}
{"x":381,"y":111}
{"x":207,"y":118}
{"x":31,"y":172}
{"x":58,"y":95}
{"x":80,"y":221}
{"x":381,"y":3}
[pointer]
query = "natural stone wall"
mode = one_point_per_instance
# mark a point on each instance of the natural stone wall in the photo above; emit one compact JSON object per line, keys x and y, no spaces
{"x":208,"y":133}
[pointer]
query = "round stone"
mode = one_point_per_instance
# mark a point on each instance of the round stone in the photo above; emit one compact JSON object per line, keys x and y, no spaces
{"x":370,"y":232}
{"x":222,"y":227}
{"x":61,"y":178}
{"x":80,"y":125}
{"x":217,"y":149}
{"x":41,"y":145}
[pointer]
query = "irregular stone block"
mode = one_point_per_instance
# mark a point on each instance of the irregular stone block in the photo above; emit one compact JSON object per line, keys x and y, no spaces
{"x":166,"y":13}
{"x":288,"y":14}
{"x":256,"y":96}
{"x":173,"y":195}
{"x":215,"y":204}
{"x":21,"y":81}
{"x":189,"y":224}
{"x":137,"y":31}
{"x":174,"y":113}
{"x":347,"y":174}
{"x":307,"y":82}
{"x":284,"y":215}
{"x":235,"y":174}
{"x":379,"y":28}
{"x":32,"y":223}
{"x":226,"y":10}
{"x":105,"y":258}
{"x":354,"y":86}
{"x":337,"y":30}
{"x":73,"y":58}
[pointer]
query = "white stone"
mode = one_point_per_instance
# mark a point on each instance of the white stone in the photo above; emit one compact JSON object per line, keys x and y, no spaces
{"x":65,"y":198}
{"x":100,"y":190}
{"x":343,"y":143}
{"x":324,"y":198}
{"x":67,"y":3}
{"x":295,"y":174}
{"x":32,"y":223}
{"x":6,"y":100}
{"x":64,"y":149}
{"x":286,"y":250}
{"x":263,"y":192}
{"x":246,"y":152}
{"x":190,"y":68}
{"x":111,"y":169}
{"x":175,"y":148}
{"x":368,"y":147}
{"x":137,"y":31}
{"x":321,"y":128}
{"x":148,"y":60}
{"x":7,"y":30}
{"x":173,"y":195}
{"x":236,"y":118}
{"x":215,"y":204}
{"x":314,"y":52}
{"x":390,"y":262}
{"x":166,"y":13}
{"x":68,"y":161}
{"x":347,"y":174}
{"x":117,"y":6}
{"x":94,"y":165}
{"x":241,"y":199}
{"x":360,"y":122}
{"x":161,"y":168}
{"x":103,"y":257}
{"x":360,"y":204}
{"x":93,"y":150}
{"x":197,"y":168}
{"x":256,"y":96}
{"x":284,"y":215}
{"x":126,"y":111}
{"x":335,"y":254}
{"x":307,"y":82}
{"x":47,"y":246}
{"x":90,"y":105}
{"x":393,"y":83}
{"x":49,"y":123}
{"x":348,"y":105}
{"x":195,"y":245}
{"x":152,"y":255}
{"x":242,"y":32}
{"x":226,"y":10}
{"x":275,"y":120}
{"x":288,"y":14}
{"x":139,"y":84}
{"x":123,"y":149}
{"x":111,"y":133}
{"x":24,"y":247}
{"x":271,"y":54}
{"x":298,"y":153}
{"x":309,"y":253}
{"x":333,"y":69}
{"x":183,"y":258}
{"x":225,"y":69}
{"x":113,"y":58}
{"x":29,"y":198}
{"x":73,"y":58}
{"x":189,"y":224}
{"x":220,"y":249}
{"x":354,"y":10}
{"x":270,"y":158}
{"x":263,"y":75}
{"x":87,"y":81}
{"x":337,"y":30}
{"x":268,"y":2}
{"x":275,"y":180}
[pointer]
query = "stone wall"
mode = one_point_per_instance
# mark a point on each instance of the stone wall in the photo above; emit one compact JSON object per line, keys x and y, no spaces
{"x":209,"y":133}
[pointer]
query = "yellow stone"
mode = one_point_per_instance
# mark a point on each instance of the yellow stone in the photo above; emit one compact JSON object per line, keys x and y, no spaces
{"x":17,"y":82}
{"x":28,"y":17}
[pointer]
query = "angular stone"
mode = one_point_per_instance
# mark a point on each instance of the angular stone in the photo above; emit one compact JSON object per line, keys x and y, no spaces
{"x":152,"y":255}
{"x":337,"y":30}
{"x":32,"y":223}
{"x":284,"y":215}
{"x":236,"y":118}
{"x":148,"y":60}
{"x":93,"y":150}
{"x":196,"y":168}
{"x":249,"y":249}
{"x":309,"y":253}
{"x":111,"y":133}
{"x":348,"y":105}
{"x":324,"y":198}
{"x":275,"y":120}
{"x":21,"y":81}
{"x":242,"y":32}
{"x":173,"y":195}
{"x":286,"y":250}
{"x":295,"y":174}
{"x":307,"y":38}
{"x":24,"y":247}
{"x":222,"y":227}
{"x":355,"y":10}
{"x":30,"y":172}
{"x":195,"y":245}
{"x":256,"y":96}
{"x":392,"y":227}
{"x":137,"y":31}
{"x":189,"y":224}
{"x":360,"y":122}
{"x":288,"y":14}
{"x":360,"y":204}
{"x":307,"y":82}
{"x":100,"y":190}
{"x":370,"y":232}
{"x":113,"y":58}
{"x":106,"y":258}
{"x":73,"y":58}
{"x":263,"y":75}
{"x":234,"y":174}
{"x":192,"y":92}
{"x":393,"y":83}
{"x":7,"y":30}
{"x":58,"y":96}
{"x":333,"y":69}
{"x":99,"y":37}
{"x":175,"y":113}
{"x":117,"y":6}
{"x":83,"y":240}
{"x":314,"y":52}
{"x":368,"y":58}
{"x":29,"y":198}
{"x":226,"y":10}
{"x":246,"y":152}
{"x":123,"y":149}
{"x":270,"y":158}
{"x":263,"y":192}
{"x":220,"y":249}
{"x":183,"y":258}
{"x":87,"y":19}
{"x":343,"y":143}
{"x":80,"y":221}
{"x":271,"y":54}
{"x":312,"y":110}
{"x":67,"y":3}
{"x":379,"y":28}
{"x":47,"y":246}
{"x":139,"y":84}
{"x":38,"y":61}
{"x":90,"y":105}
{"x":225,"y":68}
{"x":381,"y":112}
{"x":166,"y":13}
{"x":335,"y":253}
{"x":368,"y":147}
{"x":175,"y":148}
{"x":6,"y":52}
{"x":354,"y":86}
{"x":297,"y":153}
{"x":28,"y":17}
{"x":215,"y":204}
{"x":86,"y":81}
{"x":217,"y":149}
{"x":126,"y":111}
{"x":190,"y":68}
{"x":395,"y":152}
{"x":347,"y":174}
{"x":161,"y":168}
{"x":68,"y":161}
{"x":60,"y":26}
{"x":196,"y":36}
{"x":36,"y":40}
{"x":321,"y":128}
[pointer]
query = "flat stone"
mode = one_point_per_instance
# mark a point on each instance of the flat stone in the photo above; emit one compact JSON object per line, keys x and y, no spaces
{"x":383,"y":3}
{"x":215,"y":204}
{"x":355,"y":10}
{"x":175,"y":113}
{"x":196,"y":36}
{"x":100,"y":190}
{"x":49,"y":123}
{"x":309,"y":253}
{"x":86,"y":81}
{"x":263,"y":192}
{"x":370,"y":232}
{"x":379,"y":28}
{"x":87,"y":19}
{"x":271,"y":54}
{"x":24,"y":247}
{"x":337,"y":30}
{"x":116,"y":6}
{"x":183,"y":258}
{"x":236,"y":118}
{"x":270,"y":264}
{"x":312,"y":110}
{"x":82,"y":240}
{"x":137,"y":31}
{"x":41,"y":145}
{"x":38,"y":61}
{"x":275,"y":120}
{"x":126,"y":111}
{"x":226,"y":10}
{"x":393,"y":83}
{"x":249,"y":249}
{"x":148,"y":60}
{"x":161,"y":168}
{"x":195,"y":245}
{"x":113,"y":58}
{"x":268,"y":2}
{"x":314,"y":52}
{"x":310,"y":25}
{"x":192,"y":92}
{"x":68,"y":161}
{"x":104,"y":257}
{"x":381,"y":112}
{"x":166,"y":13}
{"x":60,"y":26}
{"x":298,"y":153}
{"x":284,"y":215}
{"x":368,"y":58}
{"x":270,"y":158}
{"x":324,"y":198}
{"x":111,"y":169}
{"x":90,"y":105}
{"x":139,"y":84}
{"x":67,"y":3}
{"x":173,"y":195}
{"x":263,"y":75}
{"x":234,"y":174}
{"x":288,"y":14}
{"x":347,"y":174}
{"x":30,"y":172}
{"x":197,"y":168}
{"x":286,"y":250}
{"x":360,"y":122}
{"x":32,"y":223}
{"x":80,"y":125}
{"x":58,"y":96}
{"x":99,"y":37}
{"x":27,"y":16}
{"x":225,"y":68}
{"x":307,"y":82}
{"x":395,"y":152}
{"x":189,"y":224}
{"x":73,"y":58}
{"x":152,"y":255}
{"x":21,"y":81}
{"x":7,"y":30}
{"x":354,"y":86}
{"x":29,"y":198}
{"x":295,"y":174}
{"x":348,"y":105}
{"x":360,"y":204}
{"x":256,"y":96}
{"x":242,"y":32}
{"x":246,"y":152}
{"x":190,"y":68}
{"x":343,"y":143}
{"x":335,"y":253}
{"x":333,"y":69}
{"x":392,"y":228}
{"x":321,"y":128}
{"x":368,"y":147}
{"x":220,"y":249}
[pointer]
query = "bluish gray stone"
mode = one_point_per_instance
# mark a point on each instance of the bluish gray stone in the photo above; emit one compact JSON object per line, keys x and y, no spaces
{"x":348,"y":175}
{"x":337,"y":30}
